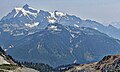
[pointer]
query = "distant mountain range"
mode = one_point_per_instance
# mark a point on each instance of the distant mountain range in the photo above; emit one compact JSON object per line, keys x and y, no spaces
{"x":116,"y":24}
{"x":27,"y":20}
{"x":58,"y":45}
{"x":56,"y":38}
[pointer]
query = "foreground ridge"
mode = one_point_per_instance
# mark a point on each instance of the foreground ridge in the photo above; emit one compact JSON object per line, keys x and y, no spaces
{"x":7,"y":64}
{"x":110,"y":63}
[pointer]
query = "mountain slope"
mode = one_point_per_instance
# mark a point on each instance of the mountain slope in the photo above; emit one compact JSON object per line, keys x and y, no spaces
{"x":7,"y":64}
{"x":109,"y":63}
{"x":57,"y":45}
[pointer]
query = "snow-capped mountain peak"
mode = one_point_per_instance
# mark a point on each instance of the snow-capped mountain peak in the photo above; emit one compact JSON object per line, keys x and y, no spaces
{"x":22,"y":12}
{"x":28,"y":8}
{"x":26,"y":16}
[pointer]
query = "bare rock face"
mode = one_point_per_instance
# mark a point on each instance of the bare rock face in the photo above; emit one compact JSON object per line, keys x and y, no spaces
{"x":110,"y":63}
{"x":5,"y":59}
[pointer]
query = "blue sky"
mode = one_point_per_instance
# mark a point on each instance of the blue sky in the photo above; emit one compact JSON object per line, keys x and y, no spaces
{"x":99,"y":10}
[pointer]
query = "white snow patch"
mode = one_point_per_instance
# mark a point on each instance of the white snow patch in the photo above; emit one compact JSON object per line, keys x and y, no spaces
{"x":54,"y":28}
{"x":11,"y":46}
{"x":17,"y":11}
{"x":18,"y":34}
{"x":5,"y":50}
{"x":52,"y":14}
{"x":6,"y":30}
{"x":32,"y":25}
{"x":96,"y":28}
{"x":60,"y":14}
{"x":73,"y":35}
{"x":25,"y":13}
{"x":71,"y":50}
{"x":31,"y":33}
{"x":51,"y":20}
{"x":76,"y":25}
{"x":74,"y":61}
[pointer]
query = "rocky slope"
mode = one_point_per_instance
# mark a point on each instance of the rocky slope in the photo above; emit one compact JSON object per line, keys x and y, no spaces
{"x":7,"y":64}
{"x":110,"y":63}
{"x":4,"y":58}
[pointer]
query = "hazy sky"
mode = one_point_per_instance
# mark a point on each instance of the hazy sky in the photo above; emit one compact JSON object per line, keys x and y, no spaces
{"x":99,"y":10}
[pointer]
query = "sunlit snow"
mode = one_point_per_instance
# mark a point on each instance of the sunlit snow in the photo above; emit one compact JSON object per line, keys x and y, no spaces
{"x":25,"y":13}
{"x":60,"y":14}
{"x":76,"y":25}
{"x":95,"y":28}
{"x":54,"y":28}
{"x":32,"y":25}
{"x":52,"y":14}
{"x":51,"y":20}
